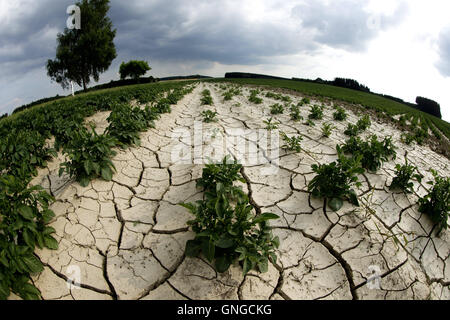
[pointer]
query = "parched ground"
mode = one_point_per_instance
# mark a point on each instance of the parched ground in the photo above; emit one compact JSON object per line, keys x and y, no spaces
{"x":125,"y":239}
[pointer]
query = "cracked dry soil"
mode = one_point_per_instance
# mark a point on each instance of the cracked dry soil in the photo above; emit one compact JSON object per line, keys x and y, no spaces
{"x":125,"y":239}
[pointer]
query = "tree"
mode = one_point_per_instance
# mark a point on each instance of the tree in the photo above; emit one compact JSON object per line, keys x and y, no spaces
{"x":429,"y":106}
{"x":133,"y":69}
{"x":86,"y":52}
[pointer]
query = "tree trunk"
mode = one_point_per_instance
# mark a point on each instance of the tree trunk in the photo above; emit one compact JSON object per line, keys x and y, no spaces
{"x":84,"y":84}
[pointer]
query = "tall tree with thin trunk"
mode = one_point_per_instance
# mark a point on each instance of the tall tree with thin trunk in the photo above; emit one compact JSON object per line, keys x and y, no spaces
{"x":84,"y":53}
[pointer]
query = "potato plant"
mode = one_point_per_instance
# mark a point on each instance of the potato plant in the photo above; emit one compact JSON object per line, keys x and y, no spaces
{"x":372,"y":151}
{"x":334,"y":181}
{"x":291,"y":143}
{"x":225,"y":225}
{"x":316,"y":113}
{"x":276,"y":109}
{"x":206,"y":98}
{"x":254,"y":97}
{"x":327,"y":128}
{"x":295,"y":113}
{"x":351,"y":130}
{"x":126,"y":122}
{"x":88,"y":156}
{"x":340,"y":114}
{"x":24,"y":215}
{"x":436,"y":204}
{"x":270,"y":125}
{"x":209,"y":116}
{"x":21,"y":152}
{"x":403,"y":176}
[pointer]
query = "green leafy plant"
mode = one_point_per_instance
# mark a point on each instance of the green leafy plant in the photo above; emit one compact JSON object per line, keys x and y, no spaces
{"x":373,"y":152}
{"x":305,"y":101}
{"x":270,"y":125}
{"x":316,"y":113}
{"x":403,"y":176}
{"x":364,"y":123}
{"x":340,"y":114}
{"x":125,"y":123}
{"x":436,"y":204}
{"x":291,"y":143}
{"x":24,"y":215}
{"x":310,"y":123}
{"x":228,"y":95}
{"x":295,"y":113}
{"x":209,"y":116}
{"x":88,"y":156}
{"x":206,"y":98}
{"x":327,"y":128}
{"x":162,"y":106}
{"x":21,"y":152}
{"x":276,"y":109}
{"x":351,"y":130}
{"x":225,"y":226}
{"x":254,"y":97}
{"x":334,"y":181}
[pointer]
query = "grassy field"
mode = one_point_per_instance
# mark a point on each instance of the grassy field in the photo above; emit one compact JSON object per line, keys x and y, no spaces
{"x":351,"y":96}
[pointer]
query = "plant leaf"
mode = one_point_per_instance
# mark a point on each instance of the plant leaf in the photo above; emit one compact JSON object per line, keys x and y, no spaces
{"x":222,"y":264}
{"x":26,"y":212}
{"x":208,"y":249}
{"x":193,"y":248}
{"x":335,"y":204}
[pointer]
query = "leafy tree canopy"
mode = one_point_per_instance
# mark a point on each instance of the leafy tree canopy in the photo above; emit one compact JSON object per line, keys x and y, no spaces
{"x":86,"y":52}
{"x":133,"y":69}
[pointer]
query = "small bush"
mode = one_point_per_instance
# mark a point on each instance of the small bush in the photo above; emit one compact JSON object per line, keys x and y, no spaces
{"x":351,"y":130}
{"x":270,"y":125}
{"x":310,"y":123}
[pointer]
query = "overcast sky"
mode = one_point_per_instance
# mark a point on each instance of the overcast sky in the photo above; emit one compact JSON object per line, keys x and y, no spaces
{"x":401,"y":48}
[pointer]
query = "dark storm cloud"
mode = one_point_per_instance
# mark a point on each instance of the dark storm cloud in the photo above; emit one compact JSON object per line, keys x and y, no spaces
{"x":443,"y":64}
{"x":345,"y":23}
{"x":200,"y":30}
{"x":28,"y":35}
